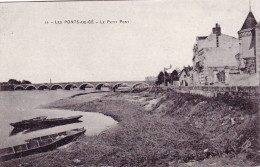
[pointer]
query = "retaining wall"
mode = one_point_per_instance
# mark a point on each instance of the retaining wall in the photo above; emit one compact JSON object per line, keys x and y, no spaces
{"x":213,"y":91}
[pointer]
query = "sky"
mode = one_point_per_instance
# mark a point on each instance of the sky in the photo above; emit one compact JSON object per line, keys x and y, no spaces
{"x":159,"y":33}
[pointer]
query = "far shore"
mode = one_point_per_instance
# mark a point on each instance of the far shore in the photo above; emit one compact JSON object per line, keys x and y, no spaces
{"x":159,"y":128}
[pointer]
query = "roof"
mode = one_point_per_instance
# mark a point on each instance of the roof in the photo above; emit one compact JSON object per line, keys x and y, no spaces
{"x":186,"y":70}
{"x":250,"y":22}
{"x":210,"y":41}
{"x":202,"y":37}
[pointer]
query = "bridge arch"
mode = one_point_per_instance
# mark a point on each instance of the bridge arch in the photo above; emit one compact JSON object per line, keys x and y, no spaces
{"x":141,"y":83}
{"x":98,"y":87}
{"x":42,"y":87}
{"x":86,"y":85}
{"x":69,"y":86}
{"x":121,"y":84}
{"x":30,"y":87}
{"x":19,"y":87}
{"x":55,"y":87}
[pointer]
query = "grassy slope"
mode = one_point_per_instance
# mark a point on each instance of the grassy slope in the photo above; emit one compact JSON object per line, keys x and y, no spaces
{"x":173,"y":130}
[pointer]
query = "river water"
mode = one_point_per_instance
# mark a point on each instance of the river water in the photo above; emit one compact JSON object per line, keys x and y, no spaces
{"x":19,"y":105}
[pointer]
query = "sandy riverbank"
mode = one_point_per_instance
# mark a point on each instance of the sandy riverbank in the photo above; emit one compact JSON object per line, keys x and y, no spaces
{"x":159,"y":128}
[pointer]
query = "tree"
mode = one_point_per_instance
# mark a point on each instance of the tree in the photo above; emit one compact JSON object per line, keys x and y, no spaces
{"x":174,"y":76}
{"x":160,"y":78}
{"x":151,"y":79}
{"x":13,"y":81}
{"x":26,"y":82}
{"x":167,"y":78}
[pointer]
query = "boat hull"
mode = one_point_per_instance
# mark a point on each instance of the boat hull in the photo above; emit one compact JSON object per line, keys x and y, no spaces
{"x":45,"y":122}
{"x":51,"y":146}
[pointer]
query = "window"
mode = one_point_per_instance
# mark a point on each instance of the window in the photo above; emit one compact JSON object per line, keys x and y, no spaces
{"x":221,"y":76}
{"x":251,"y":65}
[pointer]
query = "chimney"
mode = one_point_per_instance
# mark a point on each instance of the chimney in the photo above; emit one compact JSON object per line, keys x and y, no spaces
{"x":217,"y":30}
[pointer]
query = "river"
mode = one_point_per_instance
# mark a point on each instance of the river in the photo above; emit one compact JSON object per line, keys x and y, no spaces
{"x":19,"y":105}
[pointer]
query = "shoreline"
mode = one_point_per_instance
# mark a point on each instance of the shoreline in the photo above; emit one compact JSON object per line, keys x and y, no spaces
{"x":67,"y":105}
{"x":155,"y":127}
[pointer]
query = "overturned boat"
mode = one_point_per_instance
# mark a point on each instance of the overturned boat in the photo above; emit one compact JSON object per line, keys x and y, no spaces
{"x":43,"y":121}
{"x":40,"y":144}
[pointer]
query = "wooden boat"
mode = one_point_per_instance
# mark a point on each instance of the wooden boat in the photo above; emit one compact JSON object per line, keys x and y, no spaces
{"x":27,"y":122}
{"x":40,"y":144}
{"x":43,"y":121}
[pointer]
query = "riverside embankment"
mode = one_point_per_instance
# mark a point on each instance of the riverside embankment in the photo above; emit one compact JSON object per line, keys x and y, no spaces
{"x":161,"y":128}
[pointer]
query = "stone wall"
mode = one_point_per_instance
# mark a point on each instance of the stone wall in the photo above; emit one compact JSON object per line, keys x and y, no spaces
{"x":214,"y":91}
{"x":243,"y":79}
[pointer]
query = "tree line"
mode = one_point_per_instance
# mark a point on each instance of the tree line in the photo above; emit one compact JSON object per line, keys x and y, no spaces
{"x":16,"y":82}
{"x":169,"y":78}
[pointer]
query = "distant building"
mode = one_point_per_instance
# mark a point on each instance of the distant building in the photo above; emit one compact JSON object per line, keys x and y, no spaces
{"x":185,"y":76}
{"x":214,"y":55}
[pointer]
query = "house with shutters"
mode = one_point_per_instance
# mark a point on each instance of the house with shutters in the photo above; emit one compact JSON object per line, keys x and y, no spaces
{"x":213,"y":56}
{"x":220,"y":59}
{"x":185,"y":76}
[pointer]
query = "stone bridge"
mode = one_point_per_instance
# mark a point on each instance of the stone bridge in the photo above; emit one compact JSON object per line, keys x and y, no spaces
{"x":81,"y":85}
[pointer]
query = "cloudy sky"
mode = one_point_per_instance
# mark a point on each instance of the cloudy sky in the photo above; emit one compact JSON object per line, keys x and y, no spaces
{"x":159,"y":33}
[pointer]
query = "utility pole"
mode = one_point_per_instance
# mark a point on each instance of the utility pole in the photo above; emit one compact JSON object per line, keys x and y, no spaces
{"x":164,"y":76}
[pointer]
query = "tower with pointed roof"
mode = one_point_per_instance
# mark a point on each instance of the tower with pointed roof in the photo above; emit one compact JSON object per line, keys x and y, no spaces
{"x":247,"y":44}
